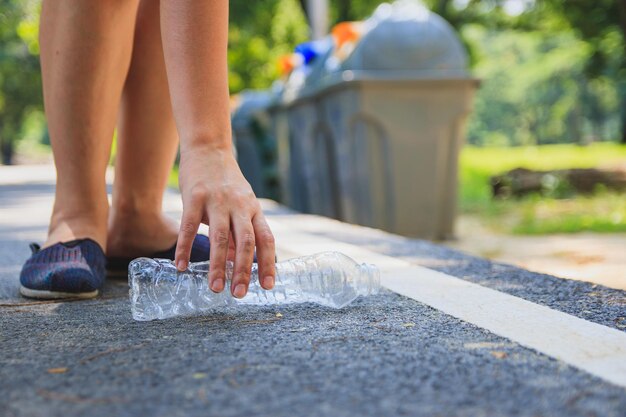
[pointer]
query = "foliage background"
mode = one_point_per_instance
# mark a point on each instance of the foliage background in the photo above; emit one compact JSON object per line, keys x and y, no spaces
{"x":552,"y":71}
{"x":21,"y":108}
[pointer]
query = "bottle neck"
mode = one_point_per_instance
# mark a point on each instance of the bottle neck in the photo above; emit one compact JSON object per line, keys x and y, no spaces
{"x":369,"y":278}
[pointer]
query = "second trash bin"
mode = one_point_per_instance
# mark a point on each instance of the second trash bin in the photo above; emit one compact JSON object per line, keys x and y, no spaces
{"x":308,"y":173}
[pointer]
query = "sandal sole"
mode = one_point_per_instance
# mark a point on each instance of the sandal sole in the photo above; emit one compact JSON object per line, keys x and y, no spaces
{"x":55,"y":295}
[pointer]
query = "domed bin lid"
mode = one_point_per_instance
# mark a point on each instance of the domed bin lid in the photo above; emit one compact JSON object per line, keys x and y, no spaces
{"x":406,"y":38}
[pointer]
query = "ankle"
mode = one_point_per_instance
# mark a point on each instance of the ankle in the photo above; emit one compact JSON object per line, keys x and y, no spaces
{"x":121,"y":219}
{"x":133,"y":233}
{"x":66,"y":227}
{"x":132,"y":206}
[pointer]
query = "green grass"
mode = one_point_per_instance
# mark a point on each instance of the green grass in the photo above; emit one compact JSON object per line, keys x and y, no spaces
{"x":603,"y":212}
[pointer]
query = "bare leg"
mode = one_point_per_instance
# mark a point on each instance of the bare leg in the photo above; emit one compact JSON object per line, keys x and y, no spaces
{"x":85,"y":54}
{"x":147,"y":143}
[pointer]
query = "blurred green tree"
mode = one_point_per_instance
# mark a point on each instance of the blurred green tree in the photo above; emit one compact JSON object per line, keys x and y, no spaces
{"x":20,"y":79}
{"x":263,"y":30}
{"x":602,"y":25}
{"x":552,"y":71}
{"x":347,"y":10}
{"x":535,"y":90}
{"x":259,"y":33}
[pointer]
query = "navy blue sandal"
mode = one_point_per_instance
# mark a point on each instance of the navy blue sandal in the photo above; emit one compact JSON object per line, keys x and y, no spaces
{"x":73,"y":269}
{"x":117,"y":267}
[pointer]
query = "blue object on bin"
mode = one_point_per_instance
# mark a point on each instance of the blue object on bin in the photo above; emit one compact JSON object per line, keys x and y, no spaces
{"x":311,"y":50}
{"x":307,"y":51}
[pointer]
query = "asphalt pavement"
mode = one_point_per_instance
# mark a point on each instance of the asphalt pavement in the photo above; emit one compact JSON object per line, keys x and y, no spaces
{"x":385,"y":355}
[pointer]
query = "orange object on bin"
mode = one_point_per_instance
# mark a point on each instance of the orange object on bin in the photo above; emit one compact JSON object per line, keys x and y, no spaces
{"x":345,"y":32}
{"x":286,"y":64}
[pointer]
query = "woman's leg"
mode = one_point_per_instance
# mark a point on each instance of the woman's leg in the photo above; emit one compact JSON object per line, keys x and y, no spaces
{"x":85,"y":54}
{"x":146,"y":148}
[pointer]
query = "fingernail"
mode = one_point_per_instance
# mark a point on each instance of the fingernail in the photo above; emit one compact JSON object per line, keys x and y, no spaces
{"x":269,"y":282}
{"x":240,"y":291}
{"x":181,"y":265}
{"x":218,"y":285}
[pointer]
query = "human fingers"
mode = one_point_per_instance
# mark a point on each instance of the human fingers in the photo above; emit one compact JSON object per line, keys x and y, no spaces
{"x":244,"y":254}
{"x":231,"y":248}
{"x":219,"y":232}
{"x":192,"y":216}
{"x":265,"y":251}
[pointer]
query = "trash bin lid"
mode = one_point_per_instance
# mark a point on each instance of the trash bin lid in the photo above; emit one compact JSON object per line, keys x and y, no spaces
{"x":406,"y":36}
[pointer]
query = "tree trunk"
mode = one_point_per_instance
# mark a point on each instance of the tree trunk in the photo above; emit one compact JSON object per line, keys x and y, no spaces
{"x":623,"y":115}
{"x":344,"y":10}
{"x":6,"y":147}
{"x":521,"y":181}
{"x":622,"y":84}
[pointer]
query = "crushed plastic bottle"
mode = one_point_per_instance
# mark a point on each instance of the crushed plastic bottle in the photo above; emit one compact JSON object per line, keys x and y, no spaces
{"x":159,"y":291}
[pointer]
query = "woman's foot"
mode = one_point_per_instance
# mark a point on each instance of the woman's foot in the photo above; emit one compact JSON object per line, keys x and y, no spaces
{"x":117,"y":267}
{"x":134,"y":235}
{"x":77,"y":227}
{"x":74,"y":269}
{"x":150,"y":235}
{"x":71,"y":263}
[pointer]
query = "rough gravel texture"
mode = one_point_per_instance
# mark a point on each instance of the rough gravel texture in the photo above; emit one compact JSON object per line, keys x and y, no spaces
{"x":384,"y":356}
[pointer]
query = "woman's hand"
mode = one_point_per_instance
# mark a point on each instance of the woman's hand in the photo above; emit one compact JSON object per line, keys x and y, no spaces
{"x":195,"y":42}
{"x":216,"y":193}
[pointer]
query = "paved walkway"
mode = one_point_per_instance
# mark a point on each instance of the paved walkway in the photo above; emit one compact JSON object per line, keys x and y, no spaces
{"x":387,"y":355}
{"x":592,"y":257}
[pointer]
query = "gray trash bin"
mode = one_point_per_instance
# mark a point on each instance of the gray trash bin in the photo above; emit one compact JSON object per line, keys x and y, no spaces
{"x":396,"y":110}
{"x":251,"y":106}
{"x":307,"y":172}
{"x":292,"y":157}
{"x":280,"y":131}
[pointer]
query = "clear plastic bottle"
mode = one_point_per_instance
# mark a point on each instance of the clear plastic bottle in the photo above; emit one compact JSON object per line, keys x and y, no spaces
{"x":159,"y":291}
